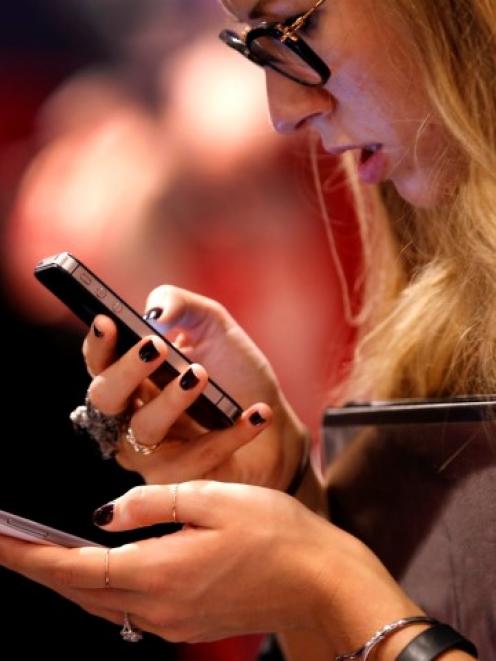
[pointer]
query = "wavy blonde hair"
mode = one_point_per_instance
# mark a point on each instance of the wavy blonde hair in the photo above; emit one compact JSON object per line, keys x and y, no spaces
{"x":428,"y":323}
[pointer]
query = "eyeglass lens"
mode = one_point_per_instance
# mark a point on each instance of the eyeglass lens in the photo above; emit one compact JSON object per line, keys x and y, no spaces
{"x":271,"y":52}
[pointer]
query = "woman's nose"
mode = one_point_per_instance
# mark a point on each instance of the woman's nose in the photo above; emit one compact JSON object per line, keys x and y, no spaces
{"x":291,"y":105}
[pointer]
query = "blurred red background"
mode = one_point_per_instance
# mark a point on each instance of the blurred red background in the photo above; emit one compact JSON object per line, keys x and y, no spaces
{"x":138,"y":142}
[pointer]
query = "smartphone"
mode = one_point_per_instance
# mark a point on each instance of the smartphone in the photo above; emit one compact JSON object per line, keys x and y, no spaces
{"x":87,"y":296}
{"x":13,"y":525}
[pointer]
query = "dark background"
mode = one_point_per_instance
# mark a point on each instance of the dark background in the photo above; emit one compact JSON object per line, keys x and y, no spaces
{"x":53,"y":475}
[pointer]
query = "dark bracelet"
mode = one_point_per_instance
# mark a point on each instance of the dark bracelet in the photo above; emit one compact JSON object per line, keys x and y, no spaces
{"x":433,"y":642}
{"x":295,"y":483}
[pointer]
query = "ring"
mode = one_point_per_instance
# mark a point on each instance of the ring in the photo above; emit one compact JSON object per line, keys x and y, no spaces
{"x":104,"y":429}
{"x":138,"y":447}
{"x":175,"y":487}
{"x":128,"y":633}
{"x":107,"y":568}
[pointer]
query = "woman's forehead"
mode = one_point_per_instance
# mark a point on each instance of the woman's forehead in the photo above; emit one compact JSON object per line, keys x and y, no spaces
{"x":251,"y":9}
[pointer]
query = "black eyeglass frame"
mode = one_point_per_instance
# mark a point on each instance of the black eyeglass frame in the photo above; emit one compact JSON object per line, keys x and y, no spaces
{"x":285,"y":33}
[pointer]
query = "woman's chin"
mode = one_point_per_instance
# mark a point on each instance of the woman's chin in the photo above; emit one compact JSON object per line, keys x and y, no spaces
{"x":429,"y":188}
{"x":420,"y":193}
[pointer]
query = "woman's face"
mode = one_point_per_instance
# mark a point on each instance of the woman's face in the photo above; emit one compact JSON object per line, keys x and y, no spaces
{"x":374,"y":103}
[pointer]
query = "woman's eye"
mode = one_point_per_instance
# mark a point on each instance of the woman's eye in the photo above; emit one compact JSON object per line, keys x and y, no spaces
{"x":308,"y":26}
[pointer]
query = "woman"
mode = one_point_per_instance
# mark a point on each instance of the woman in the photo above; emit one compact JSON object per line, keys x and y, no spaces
{"x":406,"y":85}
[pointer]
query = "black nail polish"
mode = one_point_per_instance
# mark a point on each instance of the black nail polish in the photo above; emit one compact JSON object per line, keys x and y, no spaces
{"x":153,"y":313}
{"x":189,"y":380}
{"x":256,"y":419}
{"x":103,"y":515}
{"x":97,"y":331}
{"x":148,"y":352}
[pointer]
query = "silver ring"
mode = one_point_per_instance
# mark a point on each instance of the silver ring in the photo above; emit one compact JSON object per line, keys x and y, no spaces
{"x":104,"y":429}
{"x":129,"y":633}
{"x":140,"y":448}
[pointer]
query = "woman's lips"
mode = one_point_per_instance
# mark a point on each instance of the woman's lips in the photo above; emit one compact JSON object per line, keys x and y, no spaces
{"x":372,"y":161}
{"x":373,"y":164}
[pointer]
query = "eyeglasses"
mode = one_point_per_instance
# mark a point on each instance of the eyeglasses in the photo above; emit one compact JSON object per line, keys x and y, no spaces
{"x":277,"y":46}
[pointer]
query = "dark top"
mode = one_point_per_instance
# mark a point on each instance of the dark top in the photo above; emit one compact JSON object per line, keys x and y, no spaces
{"x":423,"y":498}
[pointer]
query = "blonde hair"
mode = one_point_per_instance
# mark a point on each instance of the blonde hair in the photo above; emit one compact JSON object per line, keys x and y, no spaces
{"x":428,"y":322}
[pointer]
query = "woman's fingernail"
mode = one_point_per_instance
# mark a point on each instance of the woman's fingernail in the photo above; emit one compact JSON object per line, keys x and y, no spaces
{"x":256,"y":419}
{"x":103,"y":515}
{"x":148,"y":352}
{"x":189,"y":380}
{"x":153,"y":313}
{"x":97,"y":331}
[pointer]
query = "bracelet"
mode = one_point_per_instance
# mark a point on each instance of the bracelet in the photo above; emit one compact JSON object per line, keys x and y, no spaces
{"x":430,"y":644}
{"x":364,"y":652}
{"x":299,"y":474}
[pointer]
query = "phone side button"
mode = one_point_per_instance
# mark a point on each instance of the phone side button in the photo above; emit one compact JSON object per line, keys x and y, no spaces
{"x":85,"y":278}
{"x":229,"y":408}
{"x":101,"y":292}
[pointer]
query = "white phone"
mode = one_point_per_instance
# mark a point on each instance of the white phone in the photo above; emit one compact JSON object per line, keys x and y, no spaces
{"x":13,"y":525}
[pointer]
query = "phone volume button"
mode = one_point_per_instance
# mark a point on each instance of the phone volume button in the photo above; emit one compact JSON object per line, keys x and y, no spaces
{"x":101,"y":292}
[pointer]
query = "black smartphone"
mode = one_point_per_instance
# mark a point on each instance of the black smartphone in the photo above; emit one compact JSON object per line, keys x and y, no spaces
{"x":87,"y":296}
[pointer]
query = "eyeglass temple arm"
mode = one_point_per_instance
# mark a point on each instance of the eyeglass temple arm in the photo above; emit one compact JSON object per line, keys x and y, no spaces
{"x":288,"y":30}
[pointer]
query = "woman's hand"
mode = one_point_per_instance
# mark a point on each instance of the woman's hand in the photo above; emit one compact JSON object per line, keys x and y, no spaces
{"x":266,"y":444}
{"x":247,"y":560}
